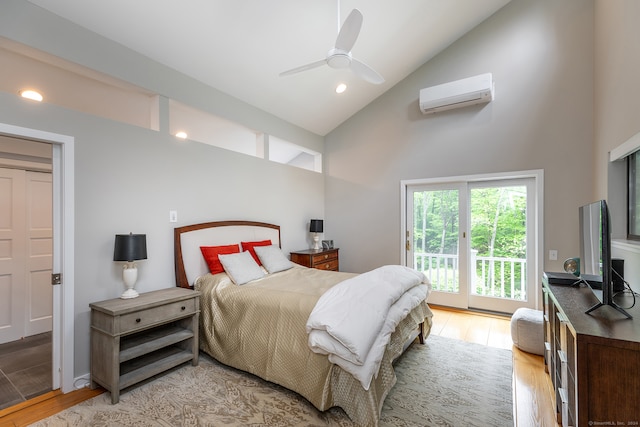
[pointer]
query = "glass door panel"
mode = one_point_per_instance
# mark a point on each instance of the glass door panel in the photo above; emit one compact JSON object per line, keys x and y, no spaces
{"x":499,"y":245}
{"x":433,"y":242}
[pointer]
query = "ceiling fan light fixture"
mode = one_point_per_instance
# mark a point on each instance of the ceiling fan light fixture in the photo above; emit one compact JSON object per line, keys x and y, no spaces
{"x":341,"y":88}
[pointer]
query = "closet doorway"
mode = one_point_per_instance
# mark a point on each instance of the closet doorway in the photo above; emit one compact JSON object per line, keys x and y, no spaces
{"x":62,"y":368}
{"x":26,"y":260}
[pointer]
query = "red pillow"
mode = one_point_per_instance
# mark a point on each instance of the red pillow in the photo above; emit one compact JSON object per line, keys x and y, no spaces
{"x":210,"y":254}
{"x":248,"y":246}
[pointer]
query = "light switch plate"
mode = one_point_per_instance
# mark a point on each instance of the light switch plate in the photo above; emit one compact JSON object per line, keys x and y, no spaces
{"x":173,"y":216}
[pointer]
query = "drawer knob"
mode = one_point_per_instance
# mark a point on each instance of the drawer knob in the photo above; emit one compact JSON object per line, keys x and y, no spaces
{"x":138,"y":320}
{"x":326,"y":256}
{"x":183,"y":308}
{"x":326,"y":266}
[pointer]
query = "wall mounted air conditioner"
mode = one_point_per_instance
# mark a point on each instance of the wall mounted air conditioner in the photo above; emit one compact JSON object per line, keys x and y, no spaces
{"x":456,"y":94}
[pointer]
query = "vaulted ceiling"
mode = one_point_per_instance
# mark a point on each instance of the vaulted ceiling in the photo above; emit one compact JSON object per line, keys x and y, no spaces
{"x":240,"y":47}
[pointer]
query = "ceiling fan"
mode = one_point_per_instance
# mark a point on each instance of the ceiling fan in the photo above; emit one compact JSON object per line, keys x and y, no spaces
{"x":340,"y":55}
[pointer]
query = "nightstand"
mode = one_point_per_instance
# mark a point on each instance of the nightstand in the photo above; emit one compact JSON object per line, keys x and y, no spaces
{"x":135,"y":339}
{"x":322,"y":259}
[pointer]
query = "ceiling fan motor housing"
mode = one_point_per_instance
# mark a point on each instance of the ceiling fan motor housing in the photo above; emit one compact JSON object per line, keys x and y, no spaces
{"x":337,"y":58}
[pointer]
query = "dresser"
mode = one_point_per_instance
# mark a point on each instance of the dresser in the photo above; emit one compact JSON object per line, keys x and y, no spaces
{"x":322,"y":259}
{"x":593,"y":359}
{"x":135,"y":339}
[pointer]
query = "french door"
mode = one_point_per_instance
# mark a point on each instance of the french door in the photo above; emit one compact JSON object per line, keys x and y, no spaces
{"x":476,"y":239}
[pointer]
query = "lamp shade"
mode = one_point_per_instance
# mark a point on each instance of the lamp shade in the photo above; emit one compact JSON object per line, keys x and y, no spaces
{"x":315,"y":226}
{"x":130,"y":247}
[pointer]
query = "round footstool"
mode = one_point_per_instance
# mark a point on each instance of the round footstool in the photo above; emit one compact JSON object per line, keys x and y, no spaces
{"x":527,"y":331}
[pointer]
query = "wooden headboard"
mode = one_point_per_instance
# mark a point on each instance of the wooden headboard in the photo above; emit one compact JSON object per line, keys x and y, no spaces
{"x":189,"y":262}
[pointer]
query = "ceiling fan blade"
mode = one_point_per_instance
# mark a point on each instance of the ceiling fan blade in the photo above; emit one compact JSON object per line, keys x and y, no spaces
{"x":365,"y":72}
{"x":349,"y":32}
{"x":304,"y":67}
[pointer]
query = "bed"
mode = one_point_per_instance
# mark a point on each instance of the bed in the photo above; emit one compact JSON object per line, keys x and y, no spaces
{"x":260,"y":327}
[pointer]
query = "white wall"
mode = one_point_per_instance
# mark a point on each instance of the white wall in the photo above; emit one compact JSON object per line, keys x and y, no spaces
{"x":541,"y":57}
{"x":617,"y":85}
{"x":617,"y":95}
{"x":128,"y":177}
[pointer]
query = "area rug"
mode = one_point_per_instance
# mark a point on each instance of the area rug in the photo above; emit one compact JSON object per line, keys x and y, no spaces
{"x":445,"y":382}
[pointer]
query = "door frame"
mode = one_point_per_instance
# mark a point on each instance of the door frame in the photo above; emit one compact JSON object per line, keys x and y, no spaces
{"x":63,"y":249}
{"x":538,"y":178}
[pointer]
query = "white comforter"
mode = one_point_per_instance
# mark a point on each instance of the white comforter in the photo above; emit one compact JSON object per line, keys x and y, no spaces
{"x":352,"y":321}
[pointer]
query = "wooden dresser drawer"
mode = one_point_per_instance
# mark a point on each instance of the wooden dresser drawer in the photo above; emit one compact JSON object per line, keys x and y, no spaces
{"x":322,"y":259}
{"x":151,"y":316}
{"x":331,"y":264}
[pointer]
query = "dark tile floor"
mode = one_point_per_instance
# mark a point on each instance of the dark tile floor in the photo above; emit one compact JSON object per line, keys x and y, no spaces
{"x":25,"y":369}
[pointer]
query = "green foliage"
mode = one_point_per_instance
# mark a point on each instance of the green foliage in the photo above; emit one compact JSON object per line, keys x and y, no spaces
{"x":498,"y":221}
{"x":436,"y":221}
{"x":498,"y":230}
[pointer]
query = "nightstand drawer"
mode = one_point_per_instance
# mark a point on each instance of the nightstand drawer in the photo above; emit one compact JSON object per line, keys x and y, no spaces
{"x":331,"y":264}
{"x":144,"y":318}
{"x":324,"y":258}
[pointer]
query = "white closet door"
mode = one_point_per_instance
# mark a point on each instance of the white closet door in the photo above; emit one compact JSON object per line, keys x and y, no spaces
{"x":12,"y":254}
{"x":39,"y":257}
{"x":26,"y":245}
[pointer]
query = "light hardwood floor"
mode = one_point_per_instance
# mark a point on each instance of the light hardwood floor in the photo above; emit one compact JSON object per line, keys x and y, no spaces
{"x":533,"y":396}
{"x":533,"y":393}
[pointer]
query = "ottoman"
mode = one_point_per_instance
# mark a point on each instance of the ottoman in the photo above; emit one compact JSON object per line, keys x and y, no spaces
{"x":527,"y":330}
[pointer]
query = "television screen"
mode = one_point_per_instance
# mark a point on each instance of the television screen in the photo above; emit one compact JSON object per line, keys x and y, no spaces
{"x":591,"y":243}
{"x":595,"y":253}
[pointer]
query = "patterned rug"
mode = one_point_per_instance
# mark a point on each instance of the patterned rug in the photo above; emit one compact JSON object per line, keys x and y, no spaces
{"x":445,"y":382}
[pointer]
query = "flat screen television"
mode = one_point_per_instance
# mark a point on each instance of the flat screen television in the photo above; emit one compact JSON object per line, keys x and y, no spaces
{"x":595,"y":253}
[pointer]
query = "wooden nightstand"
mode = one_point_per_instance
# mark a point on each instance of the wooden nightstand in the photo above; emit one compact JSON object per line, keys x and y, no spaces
{"x":134,"y":339}
{"x":323,"y":259}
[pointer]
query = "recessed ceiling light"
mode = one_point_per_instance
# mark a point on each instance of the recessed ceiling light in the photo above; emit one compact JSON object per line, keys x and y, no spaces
{"x":181,"y":135}
{"x":341,"y":88}
{"x":31,"y":94}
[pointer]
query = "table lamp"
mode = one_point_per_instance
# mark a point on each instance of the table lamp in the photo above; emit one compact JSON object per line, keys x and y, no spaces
{"x":315,"y":227}
{"x":130,"y":248}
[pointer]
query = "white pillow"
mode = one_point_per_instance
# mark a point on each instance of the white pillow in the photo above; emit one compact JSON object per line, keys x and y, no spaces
{"x":272,"y":258}
{"x":241,"y":267}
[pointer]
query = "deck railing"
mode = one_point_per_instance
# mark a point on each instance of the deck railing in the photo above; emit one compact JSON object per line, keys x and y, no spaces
{"x":493,"y":276}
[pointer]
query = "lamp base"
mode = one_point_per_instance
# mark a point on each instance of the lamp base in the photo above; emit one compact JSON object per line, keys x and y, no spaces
{"x":129,"y":293}
{"x":129,"y":277}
